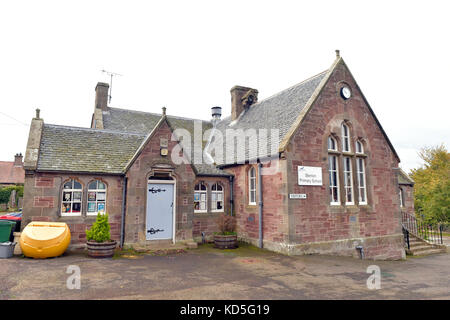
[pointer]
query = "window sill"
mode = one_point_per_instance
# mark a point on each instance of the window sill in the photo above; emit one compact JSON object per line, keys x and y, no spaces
{"x":70,"y":215}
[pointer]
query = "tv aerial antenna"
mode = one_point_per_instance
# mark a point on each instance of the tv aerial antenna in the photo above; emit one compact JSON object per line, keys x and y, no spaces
{"x":111,"y":75}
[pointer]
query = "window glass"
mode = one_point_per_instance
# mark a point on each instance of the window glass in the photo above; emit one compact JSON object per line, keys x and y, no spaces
{"x":333,"y":179}
{"x":348,"y":180}
{"x":200,"y":198}
{"x":345,"y":138}
{"x":71,"y":198}
{"x":96,"y":198}
{"x":362,"y":192}
{"x":217,"y":197}
{"x":252,"y":186}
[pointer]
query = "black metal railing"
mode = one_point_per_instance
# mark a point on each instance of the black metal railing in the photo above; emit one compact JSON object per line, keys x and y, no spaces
{"x":424,"y":231}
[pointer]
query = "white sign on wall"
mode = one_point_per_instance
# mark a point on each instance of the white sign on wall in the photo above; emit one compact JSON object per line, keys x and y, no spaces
{"x":297,"y":196}
{"x":309,"y":176}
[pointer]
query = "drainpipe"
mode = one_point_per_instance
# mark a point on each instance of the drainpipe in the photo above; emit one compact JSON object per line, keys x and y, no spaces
{"x":124,"y":203}
{"x":231,"y":195}
{"x":260,"y":202}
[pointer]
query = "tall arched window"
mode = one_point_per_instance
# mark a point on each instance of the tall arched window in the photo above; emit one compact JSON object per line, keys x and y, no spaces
{"x":400,"y":194}
{"x":332,"y":145}
{"x":71,"y":198}
{"x":96,"y":198}
{"x":252,"y":186}
{"x":345,"y":138}
{"x":217,"y":198}
{"x":359,"y":147}
{"x":200,"y":197}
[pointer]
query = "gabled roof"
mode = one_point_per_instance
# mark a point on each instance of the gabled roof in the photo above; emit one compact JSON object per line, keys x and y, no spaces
{"x":86,"y":150}
{"x":145,"y":122}
{"x":10,"y":174}
{"x":404,"y":178}
{"x":276,"y":112}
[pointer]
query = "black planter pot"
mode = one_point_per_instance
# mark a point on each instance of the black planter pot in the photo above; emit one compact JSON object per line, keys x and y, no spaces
{"x":101,"y":249}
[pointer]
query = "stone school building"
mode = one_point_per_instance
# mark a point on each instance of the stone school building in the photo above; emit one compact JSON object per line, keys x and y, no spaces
{"x":327,"y":182}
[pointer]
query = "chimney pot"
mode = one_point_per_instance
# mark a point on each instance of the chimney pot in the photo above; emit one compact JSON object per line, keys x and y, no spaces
{"x":38,"y":112}
{"x":338,"y":53}
{"x":216,"y":113}
{"x":18,"y":160}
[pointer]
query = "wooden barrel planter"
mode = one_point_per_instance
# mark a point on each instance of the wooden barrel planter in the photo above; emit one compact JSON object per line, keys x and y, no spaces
{"x":225,"y":242}
{"x":101,"y":249}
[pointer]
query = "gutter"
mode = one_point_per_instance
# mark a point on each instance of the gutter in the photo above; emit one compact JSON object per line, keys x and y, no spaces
{"x":231,"y":195}
{"x":124,"y":203}
{"x":260,"y":203}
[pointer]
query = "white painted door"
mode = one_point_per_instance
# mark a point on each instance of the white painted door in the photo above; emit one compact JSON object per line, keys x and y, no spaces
{"x":159,"y":224}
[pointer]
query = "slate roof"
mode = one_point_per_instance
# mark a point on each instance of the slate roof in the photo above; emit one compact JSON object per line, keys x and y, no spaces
{"x":86,"y":150}
{"x":143,"y":123}
{"x":276,"y":112}
{"x":403,"y":178}
{"x":10,"y":174}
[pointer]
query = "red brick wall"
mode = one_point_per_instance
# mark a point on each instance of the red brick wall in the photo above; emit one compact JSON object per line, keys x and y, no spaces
{"x":42,"y":202}
{"x":146,"y":163}
{"x":314,"y":219}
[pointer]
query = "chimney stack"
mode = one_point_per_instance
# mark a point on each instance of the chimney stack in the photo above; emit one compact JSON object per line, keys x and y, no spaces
{"x":101,"y":96}
{"x":18,"y":160}
{"x":241,"y":99}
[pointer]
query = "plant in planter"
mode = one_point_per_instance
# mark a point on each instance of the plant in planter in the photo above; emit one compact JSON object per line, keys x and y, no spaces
{"x":226,"y":238}
{"x":99,"y":243}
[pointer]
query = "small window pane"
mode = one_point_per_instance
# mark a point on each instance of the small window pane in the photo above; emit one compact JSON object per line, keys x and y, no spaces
{"x":101,"y":186}
{"x":76,"y":185}
{"x":93,"y":185}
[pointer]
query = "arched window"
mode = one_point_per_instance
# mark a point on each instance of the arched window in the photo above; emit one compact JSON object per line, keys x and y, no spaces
{"x":252,"y":186}
{"x":200,"y":197}
{"x":359,"y":147}
{"x":400,"y":194}
{"x":71,"y":198}
{"x":361,"y":172}
{"x":332,"y":145}
{"x":96,"y":198}
{"x":345,"y":138}
{"x":217,"y":198}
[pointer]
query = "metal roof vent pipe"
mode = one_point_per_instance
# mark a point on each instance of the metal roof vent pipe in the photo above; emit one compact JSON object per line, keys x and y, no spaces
{"x":216,"y":114}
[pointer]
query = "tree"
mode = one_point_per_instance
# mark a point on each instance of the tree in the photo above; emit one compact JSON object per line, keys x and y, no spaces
{"x":432,"y":185}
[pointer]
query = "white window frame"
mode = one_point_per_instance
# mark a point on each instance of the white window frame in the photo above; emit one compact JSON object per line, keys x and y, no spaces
{"x":330,"y":138}
{"x":401,"y":197}
{"x":250,"y":190}
{"x":359,"y":143}
{"x":215,"y":194}
{"x":362,"y":187}
{"x":334,"y":171}
{"x":348,"y":173}
{"x":201,"y":192}
{"x":346,"y":138}
{"x":97,"y":191}
{"x":71,"y":190}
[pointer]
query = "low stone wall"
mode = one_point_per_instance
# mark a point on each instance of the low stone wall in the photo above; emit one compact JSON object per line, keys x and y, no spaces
{"x":388,"y":247}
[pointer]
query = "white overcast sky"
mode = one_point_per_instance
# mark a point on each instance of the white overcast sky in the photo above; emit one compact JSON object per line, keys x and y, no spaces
{"x":186,"y":55}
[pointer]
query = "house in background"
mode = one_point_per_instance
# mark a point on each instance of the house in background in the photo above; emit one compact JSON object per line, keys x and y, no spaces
{"x":327,"y":181}
{"x":12,"y":173}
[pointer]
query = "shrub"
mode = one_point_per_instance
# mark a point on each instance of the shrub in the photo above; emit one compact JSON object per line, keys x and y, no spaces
{"x":226,"y":224}
{"x":100,"y":229}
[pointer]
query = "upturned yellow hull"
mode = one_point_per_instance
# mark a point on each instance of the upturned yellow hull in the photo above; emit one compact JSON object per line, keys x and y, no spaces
{"x":44,"y":239}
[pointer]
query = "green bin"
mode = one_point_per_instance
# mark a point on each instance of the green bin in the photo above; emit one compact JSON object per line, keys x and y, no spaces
{"x":5,"y":230}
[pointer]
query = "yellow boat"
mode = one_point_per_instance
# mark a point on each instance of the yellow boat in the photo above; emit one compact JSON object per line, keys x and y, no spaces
{"x":44,"y":239}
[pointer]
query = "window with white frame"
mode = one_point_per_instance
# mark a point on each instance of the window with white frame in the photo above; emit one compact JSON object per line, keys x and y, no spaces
{"x":71,"y":198}
{"x":96,"y":198}
{"x":334,"y":179}
{"x":252,"y":186}
{"x":348,"y":180}
{"x":332,"y":145}
{"x":345,"y":138}
{"x":217,"y":198}
{"x":359,"y":147}
{"x":200,"y":198}
{"x":400,"y":194}
{"x":361,"y":172}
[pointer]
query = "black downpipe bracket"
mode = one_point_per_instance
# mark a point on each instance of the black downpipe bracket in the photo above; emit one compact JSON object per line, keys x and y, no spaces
{"x":124,"y":203}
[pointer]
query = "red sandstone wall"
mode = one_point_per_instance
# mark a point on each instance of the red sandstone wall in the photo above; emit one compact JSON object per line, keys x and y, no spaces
{"x":206,"y":221}
{"x":275,"y":222}
{"x":42,"y":202}
{"x":137,"y":189}
{"x":314,"y":219}
{"x":408,"y":199}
